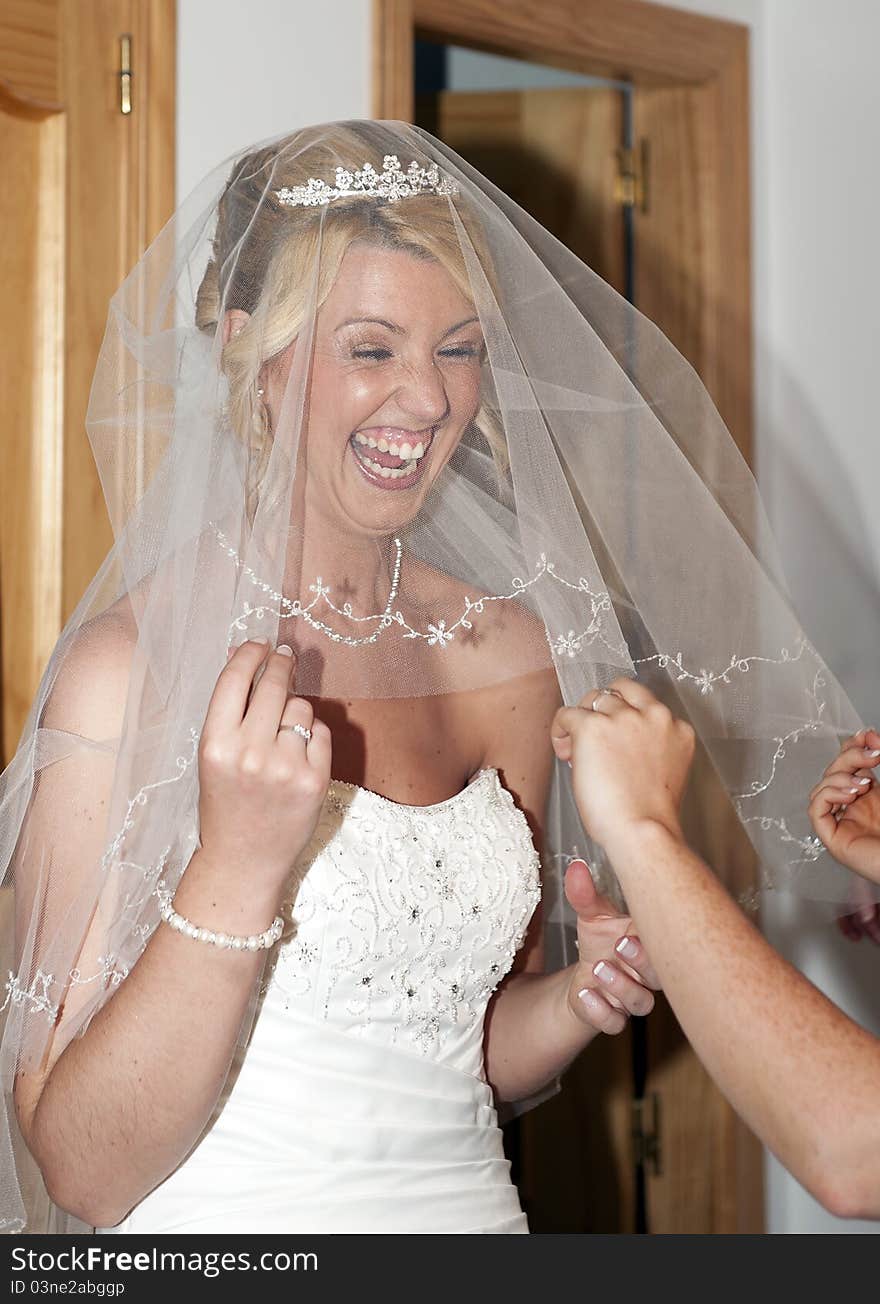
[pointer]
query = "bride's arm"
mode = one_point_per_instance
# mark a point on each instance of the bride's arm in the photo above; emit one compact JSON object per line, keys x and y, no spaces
{"x":537,"y":1023}
{"x":120,"y":1107}
{"x":110,"y":1114}
{"x":531,"y":1034}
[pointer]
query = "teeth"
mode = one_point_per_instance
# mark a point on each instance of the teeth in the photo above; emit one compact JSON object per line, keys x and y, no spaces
{"x":406,"y":451}
{"x":390,"y":472}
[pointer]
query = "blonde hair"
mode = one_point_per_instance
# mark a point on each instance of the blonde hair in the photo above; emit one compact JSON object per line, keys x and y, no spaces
{"x":264,"y":252}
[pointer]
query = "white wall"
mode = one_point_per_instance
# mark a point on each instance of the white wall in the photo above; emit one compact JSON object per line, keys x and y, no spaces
{"x":819,"y":452}
{"x":248,"y":71}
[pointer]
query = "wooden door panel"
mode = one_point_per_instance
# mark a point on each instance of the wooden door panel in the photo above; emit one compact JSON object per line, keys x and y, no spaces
{"x":91,"y":186}
{"x":553,"y":152}
{"x":32,"y":218}
{"x":692,"y":281}
{"x":121,"y":191}
{"x":30,"y":54}
{"x":692,"y":264}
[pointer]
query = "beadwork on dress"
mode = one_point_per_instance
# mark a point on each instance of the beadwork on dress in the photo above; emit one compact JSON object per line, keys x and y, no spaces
{"x":404,"y":919}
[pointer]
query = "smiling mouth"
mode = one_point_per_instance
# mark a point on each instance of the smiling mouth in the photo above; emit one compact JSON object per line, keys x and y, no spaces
{"x":391,"y":454}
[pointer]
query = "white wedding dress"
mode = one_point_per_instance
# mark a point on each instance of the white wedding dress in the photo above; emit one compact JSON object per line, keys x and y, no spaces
{"x":360,"y":1102}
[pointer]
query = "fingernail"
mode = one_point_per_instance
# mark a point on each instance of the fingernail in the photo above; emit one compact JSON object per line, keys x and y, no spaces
{"x":261,"y":639}
{"x":877,"y":753}
{"x":604,"y":972}
{"x":627,"y":948}
{"x":591,"y":1000}
{"x":864,"y":781}
{"x":285,"y":649}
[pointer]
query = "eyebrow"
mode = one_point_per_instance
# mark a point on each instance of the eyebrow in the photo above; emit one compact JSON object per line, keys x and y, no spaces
{"x":398,"y":330}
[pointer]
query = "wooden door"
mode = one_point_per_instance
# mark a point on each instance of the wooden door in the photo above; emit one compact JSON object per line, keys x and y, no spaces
{"x":558,"y":154}
{"x":553,"y":151}
{"x":87,"y":185}
{"x":691,"y":255}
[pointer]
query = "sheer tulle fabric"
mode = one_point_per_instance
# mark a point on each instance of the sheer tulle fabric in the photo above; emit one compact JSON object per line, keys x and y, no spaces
{"x":595,"y":519}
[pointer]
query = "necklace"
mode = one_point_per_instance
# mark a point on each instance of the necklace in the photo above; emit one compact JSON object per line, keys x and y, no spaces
{"x":294,"y":608}
{"x":384,"y":620}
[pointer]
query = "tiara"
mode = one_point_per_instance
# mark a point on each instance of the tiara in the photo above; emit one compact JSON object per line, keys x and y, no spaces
{"x":391,"y":184}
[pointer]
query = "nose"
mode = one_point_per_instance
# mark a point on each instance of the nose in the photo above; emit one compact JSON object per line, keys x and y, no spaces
{"x":423,"y":395}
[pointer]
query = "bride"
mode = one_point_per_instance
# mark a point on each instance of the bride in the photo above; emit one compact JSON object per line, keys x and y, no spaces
{"x":385,"y":495}
{"x":380,"y":833}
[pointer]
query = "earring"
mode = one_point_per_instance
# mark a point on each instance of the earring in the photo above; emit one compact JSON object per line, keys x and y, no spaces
{"x":260,"y":416}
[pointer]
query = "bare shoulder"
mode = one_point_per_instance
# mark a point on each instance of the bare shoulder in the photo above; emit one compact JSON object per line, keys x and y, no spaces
{"x":474,"y":629}
{"x":496,"y":650}
{"x":90,"y":688}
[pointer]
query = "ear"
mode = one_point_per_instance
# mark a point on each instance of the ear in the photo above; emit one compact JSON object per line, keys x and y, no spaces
{"x":233,"y":321}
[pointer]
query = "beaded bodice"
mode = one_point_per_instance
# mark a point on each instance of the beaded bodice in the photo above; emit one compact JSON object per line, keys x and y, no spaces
{"x":408,"y":917}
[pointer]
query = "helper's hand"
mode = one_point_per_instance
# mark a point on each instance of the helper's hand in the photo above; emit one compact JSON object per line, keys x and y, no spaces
{"x":629,"y":759}
{"x":845,"y":805}
{"x":613,"y":977}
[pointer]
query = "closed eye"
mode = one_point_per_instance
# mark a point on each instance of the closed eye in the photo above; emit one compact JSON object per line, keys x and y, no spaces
{"x":459,"y":351}
{"x":376,"y":354}
{"x":462,"y":351}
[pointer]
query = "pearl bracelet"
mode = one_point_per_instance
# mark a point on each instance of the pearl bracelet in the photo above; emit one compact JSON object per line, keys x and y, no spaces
{"x":228,"y":941}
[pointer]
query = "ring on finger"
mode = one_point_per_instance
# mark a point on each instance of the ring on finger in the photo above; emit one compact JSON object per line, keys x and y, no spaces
{"x":297,"y":729}
{"x":605,"y":692}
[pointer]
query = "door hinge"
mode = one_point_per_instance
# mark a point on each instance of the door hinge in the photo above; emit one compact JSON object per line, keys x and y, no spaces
{"x":125,"y":74}
{"x":631,"y":182}
{"x":646,"y":1133}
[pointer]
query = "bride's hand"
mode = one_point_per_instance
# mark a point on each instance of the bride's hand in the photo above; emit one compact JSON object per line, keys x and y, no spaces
{"x":261,"y":785}
{"x":845,"y":806}
{"x":613,"y":977}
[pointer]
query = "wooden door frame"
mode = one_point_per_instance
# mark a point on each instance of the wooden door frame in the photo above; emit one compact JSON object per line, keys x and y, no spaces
{"x":650,"y":46}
